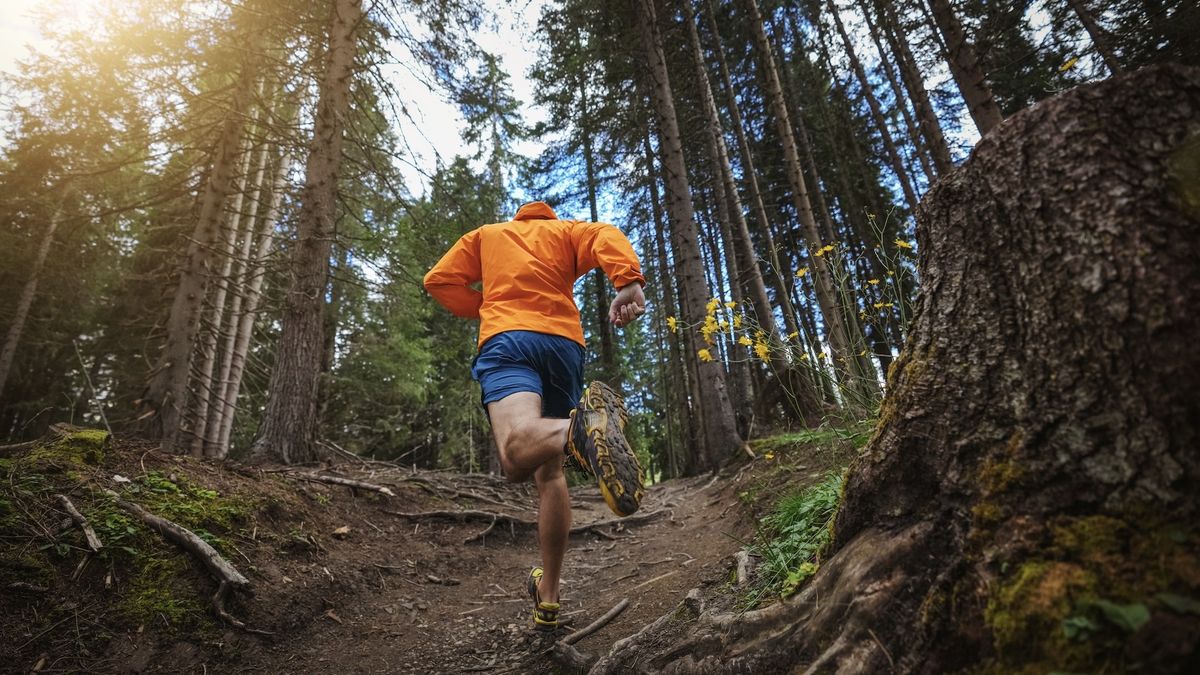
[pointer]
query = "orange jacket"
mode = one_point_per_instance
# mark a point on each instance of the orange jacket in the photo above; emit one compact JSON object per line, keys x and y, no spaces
{"x":528,"y":267}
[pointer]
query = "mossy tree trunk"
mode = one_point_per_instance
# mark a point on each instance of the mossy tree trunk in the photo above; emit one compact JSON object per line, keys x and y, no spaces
{"x":1034,"y":471}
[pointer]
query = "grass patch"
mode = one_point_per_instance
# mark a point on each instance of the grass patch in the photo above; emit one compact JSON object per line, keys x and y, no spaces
{"x":791,"y":538}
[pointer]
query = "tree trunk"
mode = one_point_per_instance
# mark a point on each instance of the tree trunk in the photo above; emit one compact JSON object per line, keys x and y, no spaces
{"x":964,"y":65}
{"x":914,"y":132}
{"x":889,"y":146}
{"x":212,"y":427}
{"x":289,"y":428}
{"x":1034,"y":467}
{"x":166,"y":389}
{"x":720,"y":429}
{"x":246,"y":320}
{"x":204,"y":387}
{"x":608,"y":353}
{"x":750,"y":176}
{"x":1098,"y":35}
{"x":842,"y":342}
{"x":17,"y":327}
{"x":914,"y":82}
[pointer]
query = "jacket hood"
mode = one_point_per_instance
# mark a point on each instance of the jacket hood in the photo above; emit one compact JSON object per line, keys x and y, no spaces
{"x":535,"y":211}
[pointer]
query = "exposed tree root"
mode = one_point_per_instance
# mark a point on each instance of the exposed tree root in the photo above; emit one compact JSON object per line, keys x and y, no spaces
{"x":494,"y":517}
{"x":597,"y":624}
{"x":93,"y":541}
{"x":227,"y":576}
{"x":351,"y":483}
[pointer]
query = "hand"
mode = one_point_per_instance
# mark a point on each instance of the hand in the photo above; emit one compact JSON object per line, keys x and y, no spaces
{"x":629,"y":304}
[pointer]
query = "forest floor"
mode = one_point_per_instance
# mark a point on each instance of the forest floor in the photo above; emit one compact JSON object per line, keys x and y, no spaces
{"x":340,"y":579}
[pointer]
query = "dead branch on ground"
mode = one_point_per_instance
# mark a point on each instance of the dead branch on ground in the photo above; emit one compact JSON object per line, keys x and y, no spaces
{"x":93,"y":541}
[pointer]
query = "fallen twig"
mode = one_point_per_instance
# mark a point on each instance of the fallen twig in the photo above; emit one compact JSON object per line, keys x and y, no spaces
{"x":657,"y":578}
{"x":480,"y":535}
{"x":597,"y":624}
{"x":93,"y":541}
{"x":226,"y":574}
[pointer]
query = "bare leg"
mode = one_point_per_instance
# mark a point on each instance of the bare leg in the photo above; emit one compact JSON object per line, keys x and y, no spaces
{"x":526,"y":440}
{"x":554,"y":524}
{"x":532,"y":444}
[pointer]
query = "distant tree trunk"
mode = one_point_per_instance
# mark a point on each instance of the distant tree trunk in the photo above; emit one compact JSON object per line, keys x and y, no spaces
{"x":964,"y":65}
{"x":204,"y":387}
{"x":720,"y":428}
{"x":1034,"y":467}
{"x":608,"y":353}
{"x":750,"y":176}
{"x":889,"y":146}
{"x":17,"y":327}
{"x":914,"y":132}
{"x":1098,"y":35}
{"x":914,"y":82}
{"x":166,"y":389}
{"x":246,"y":319}
{"x":238,"y":281}
{"x":289,"y":428}
{"x":842,"y":340}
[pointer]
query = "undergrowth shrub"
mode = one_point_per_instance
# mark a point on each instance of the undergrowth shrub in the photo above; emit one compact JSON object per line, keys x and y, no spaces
{"x":791,"y":538}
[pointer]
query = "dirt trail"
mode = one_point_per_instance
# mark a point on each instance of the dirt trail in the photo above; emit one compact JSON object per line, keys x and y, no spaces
{"x":478,"y":619}
{"x":341,"y":578}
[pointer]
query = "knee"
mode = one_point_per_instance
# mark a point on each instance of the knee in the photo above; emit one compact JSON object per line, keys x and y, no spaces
{"x":550,"y":472}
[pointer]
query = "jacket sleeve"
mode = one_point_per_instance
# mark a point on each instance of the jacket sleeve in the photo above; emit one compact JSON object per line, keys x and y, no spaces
{"x":449,"y":282}
{"x":604,"y":246}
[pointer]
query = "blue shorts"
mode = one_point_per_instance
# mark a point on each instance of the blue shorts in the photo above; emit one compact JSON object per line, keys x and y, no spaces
{"x":521,"y":360}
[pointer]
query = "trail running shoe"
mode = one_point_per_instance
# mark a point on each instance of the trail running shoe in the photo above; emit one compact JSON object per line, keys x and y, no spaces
{"x":596,"y":439}
{"x":545,"y":614}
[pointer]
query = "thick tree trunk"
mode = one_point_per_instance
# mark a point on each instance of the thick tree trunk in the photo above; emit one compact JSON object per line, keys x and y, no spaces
{"x":17,"y":327}
{"x":289,"y":428}
{"x":843,"y":342}
{"x":720,"y":430}
{"x":1098,"y":35}
{"x":609,"y":372}
{"x":964,"y":65}
{"x":1034,"y":468}
{"x":166,"y":389}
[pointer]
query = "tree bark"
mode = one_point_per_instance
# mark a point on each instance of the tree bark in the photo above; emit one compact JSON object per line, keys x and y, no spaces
{"x":1098,"y":35}
{"x":17,"y":327}
{"x":1035,"y":456}
{"x":166,"y":389}
{"x":964,"y":65}
{"x":720,"y":428}
{"x":289,"y":428}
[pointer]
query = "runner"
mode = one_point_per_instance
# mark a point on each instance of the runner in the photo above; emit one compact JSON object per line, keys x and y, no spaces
{"x":530,"y":364}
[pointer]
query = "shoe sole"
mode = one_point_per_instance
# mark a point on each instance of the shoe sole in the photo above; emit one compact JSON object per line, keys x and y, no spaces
{"x":618,"y":470}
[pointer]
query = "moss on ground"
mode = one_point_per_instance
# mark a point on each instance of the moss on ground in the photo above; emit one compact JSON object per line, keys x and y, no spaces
{"x":74,"y":450}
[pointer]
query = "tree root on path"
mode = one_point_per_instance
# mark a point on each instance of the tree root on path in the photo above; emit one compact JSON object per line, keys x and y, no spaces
{"x":351,"y":483}
{"x":494,"y":517}
{"x":227,"y":576}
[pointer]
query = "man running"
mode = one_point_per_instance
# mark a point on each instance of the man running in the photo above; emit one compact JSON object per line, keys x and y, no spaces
{"x":530,"y":364}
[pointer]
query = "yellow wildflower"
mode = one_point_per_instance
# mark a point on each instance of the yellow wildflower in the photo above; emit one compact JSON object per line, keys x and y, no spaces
{"x":801,"y":272}
{"x":723,"y":324}
{"x":672,"y":323}
{"x":769,"y":456}
{"x":759,"y":334}
{"x":881,"y":305}
{"x":821,"y":355}
{"x":873,"y":282}
{"x":745,"y":341}
{"x":903,"y":244}
{"x":704,"y":355}
{"x":863,"y":353}
{"x":712,"y":305}
{"x":762,"y":350}
{"x":804,"y":357}
{"x":737,"y":320}
{"x":793,"y":335}
{"x":730,"y":305}
{"x":1069,"y":64}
